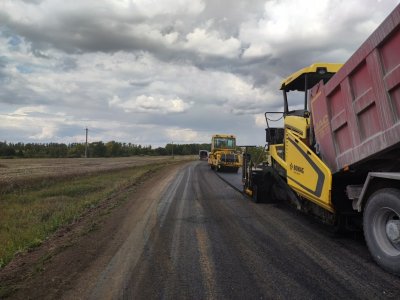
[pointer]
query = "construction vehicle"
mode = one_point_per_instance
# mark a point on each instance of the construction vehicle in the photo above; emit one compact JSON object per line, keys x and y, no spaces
{"x":338,"y":157}
{"x":203,"y":155}
{"x":223,"y":155}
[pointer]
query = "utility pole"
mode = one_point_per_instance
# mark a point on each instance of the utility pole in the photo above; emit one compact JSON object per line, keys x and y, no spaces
{"x":86,"y":145}
{"x":172,"y":150}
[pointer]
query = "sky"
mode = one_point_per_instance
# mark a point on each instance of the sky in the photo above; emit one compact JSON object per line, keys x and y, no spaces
{"x":154,"y":72}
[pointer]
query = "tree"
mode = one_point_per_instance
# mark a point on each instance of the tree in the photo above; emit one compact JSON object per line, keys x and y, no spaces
{"x":258,"y":154}
{"x":97,"y":149}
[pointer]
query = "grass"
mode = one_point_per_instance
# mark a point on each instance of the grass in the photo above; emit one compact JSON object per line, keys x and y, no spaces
{"x":28,"y":216}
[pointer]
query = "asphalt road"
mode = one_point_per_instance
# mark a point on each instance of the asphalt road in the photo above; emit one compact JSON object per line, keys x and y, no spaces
{"x":211,"y":242}
{"x":234,"y":179}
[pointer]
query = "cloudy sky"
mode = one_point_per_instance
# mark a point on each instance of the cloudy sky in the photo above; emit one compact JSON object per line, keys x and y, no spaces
{"x":154,"y":71}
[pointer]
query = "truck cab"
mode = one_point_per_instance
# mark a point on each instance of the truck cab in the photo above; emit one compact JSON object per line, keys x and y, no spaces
{"x":223,"y":155}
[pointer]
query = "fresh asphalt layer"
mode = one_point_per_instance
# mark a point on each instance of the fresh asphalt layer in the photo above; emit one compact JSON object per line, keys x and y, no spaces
{"x":212,"y":242}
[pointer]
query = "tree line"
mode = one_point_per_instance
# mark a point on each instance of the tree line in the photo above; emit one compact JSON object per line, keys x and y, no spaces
{"x":95,"y":149}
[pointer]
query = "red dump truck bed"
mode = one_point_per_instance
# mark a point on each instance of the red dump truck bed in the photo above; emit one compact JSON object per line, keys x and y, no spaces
{"x":356,"y":114}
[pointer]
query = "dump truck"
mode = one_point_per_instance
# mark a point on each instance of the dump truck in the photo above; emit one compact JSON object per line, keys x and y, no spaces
{"x":203,"y":155}
{"x":223,"y":155}
{"x":338,"y":155}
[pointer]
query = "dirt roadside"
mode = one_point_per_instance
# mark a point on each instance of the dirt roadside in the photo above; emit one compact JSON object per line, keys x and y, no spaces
{"x":82,"y":255}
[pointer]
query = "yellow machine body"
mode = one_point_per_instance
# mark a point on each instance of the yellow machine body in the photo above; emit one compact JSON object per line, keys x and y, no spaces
{"x":305,"y":172}
{"x":223,"y":153}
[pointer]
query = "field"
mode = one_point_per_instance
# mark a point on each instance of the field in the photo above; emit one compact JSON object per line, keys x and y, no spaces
{"x":38,"y":196}
{"x":15,"y":173}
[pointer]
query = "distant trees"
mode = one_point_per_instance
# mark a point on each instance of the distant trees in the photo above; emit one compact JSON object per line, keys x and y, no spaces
{"x":257,"y":154}
{"x":95,"y":149}
{"x":187,"y":149}
{"x":6,"y":150}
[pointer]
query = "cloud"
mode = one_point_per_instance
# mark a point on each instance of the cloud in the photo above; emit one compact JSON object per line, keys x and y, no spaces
{"x":32,"y":121}
{"x":150,"y":72}
{"x":150,"y":104}
{"x":47,"y":132}
{"x":185,"y":135}
{"x":98,"y":25}
{"x":24,"y":111}
{"x":287,"y":29}
{"x":211,"y":43}
{"x":152,"y":8}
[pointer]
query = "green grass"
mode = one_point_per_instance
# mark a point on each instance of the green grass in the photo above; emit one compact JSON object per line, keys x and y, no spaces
{"x":29,"y":216}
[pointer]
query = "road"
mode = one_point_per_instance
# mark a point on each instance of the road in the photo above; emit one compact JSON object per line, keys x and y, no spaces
{"x":192,"y":236}
{"x":234,"y":179}
{"x":212,"y":242}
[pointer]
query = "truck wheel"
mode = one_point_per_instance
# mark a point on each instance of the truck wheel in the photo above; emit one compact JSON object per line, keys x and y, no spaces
{"x":382,"y":228}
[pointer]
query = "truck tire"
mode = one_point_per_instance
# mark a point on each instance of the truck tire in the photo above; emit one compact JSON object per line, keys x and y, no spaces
{"x":381,"y":224}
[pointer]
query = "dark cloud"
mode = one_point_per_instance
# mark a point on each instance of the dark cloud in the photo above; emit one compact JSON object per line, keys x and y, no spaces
{"x":92,"y":62}
{"x":3,"y":62}
{"x":68,"y":64}
{"x":39,"y":53}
